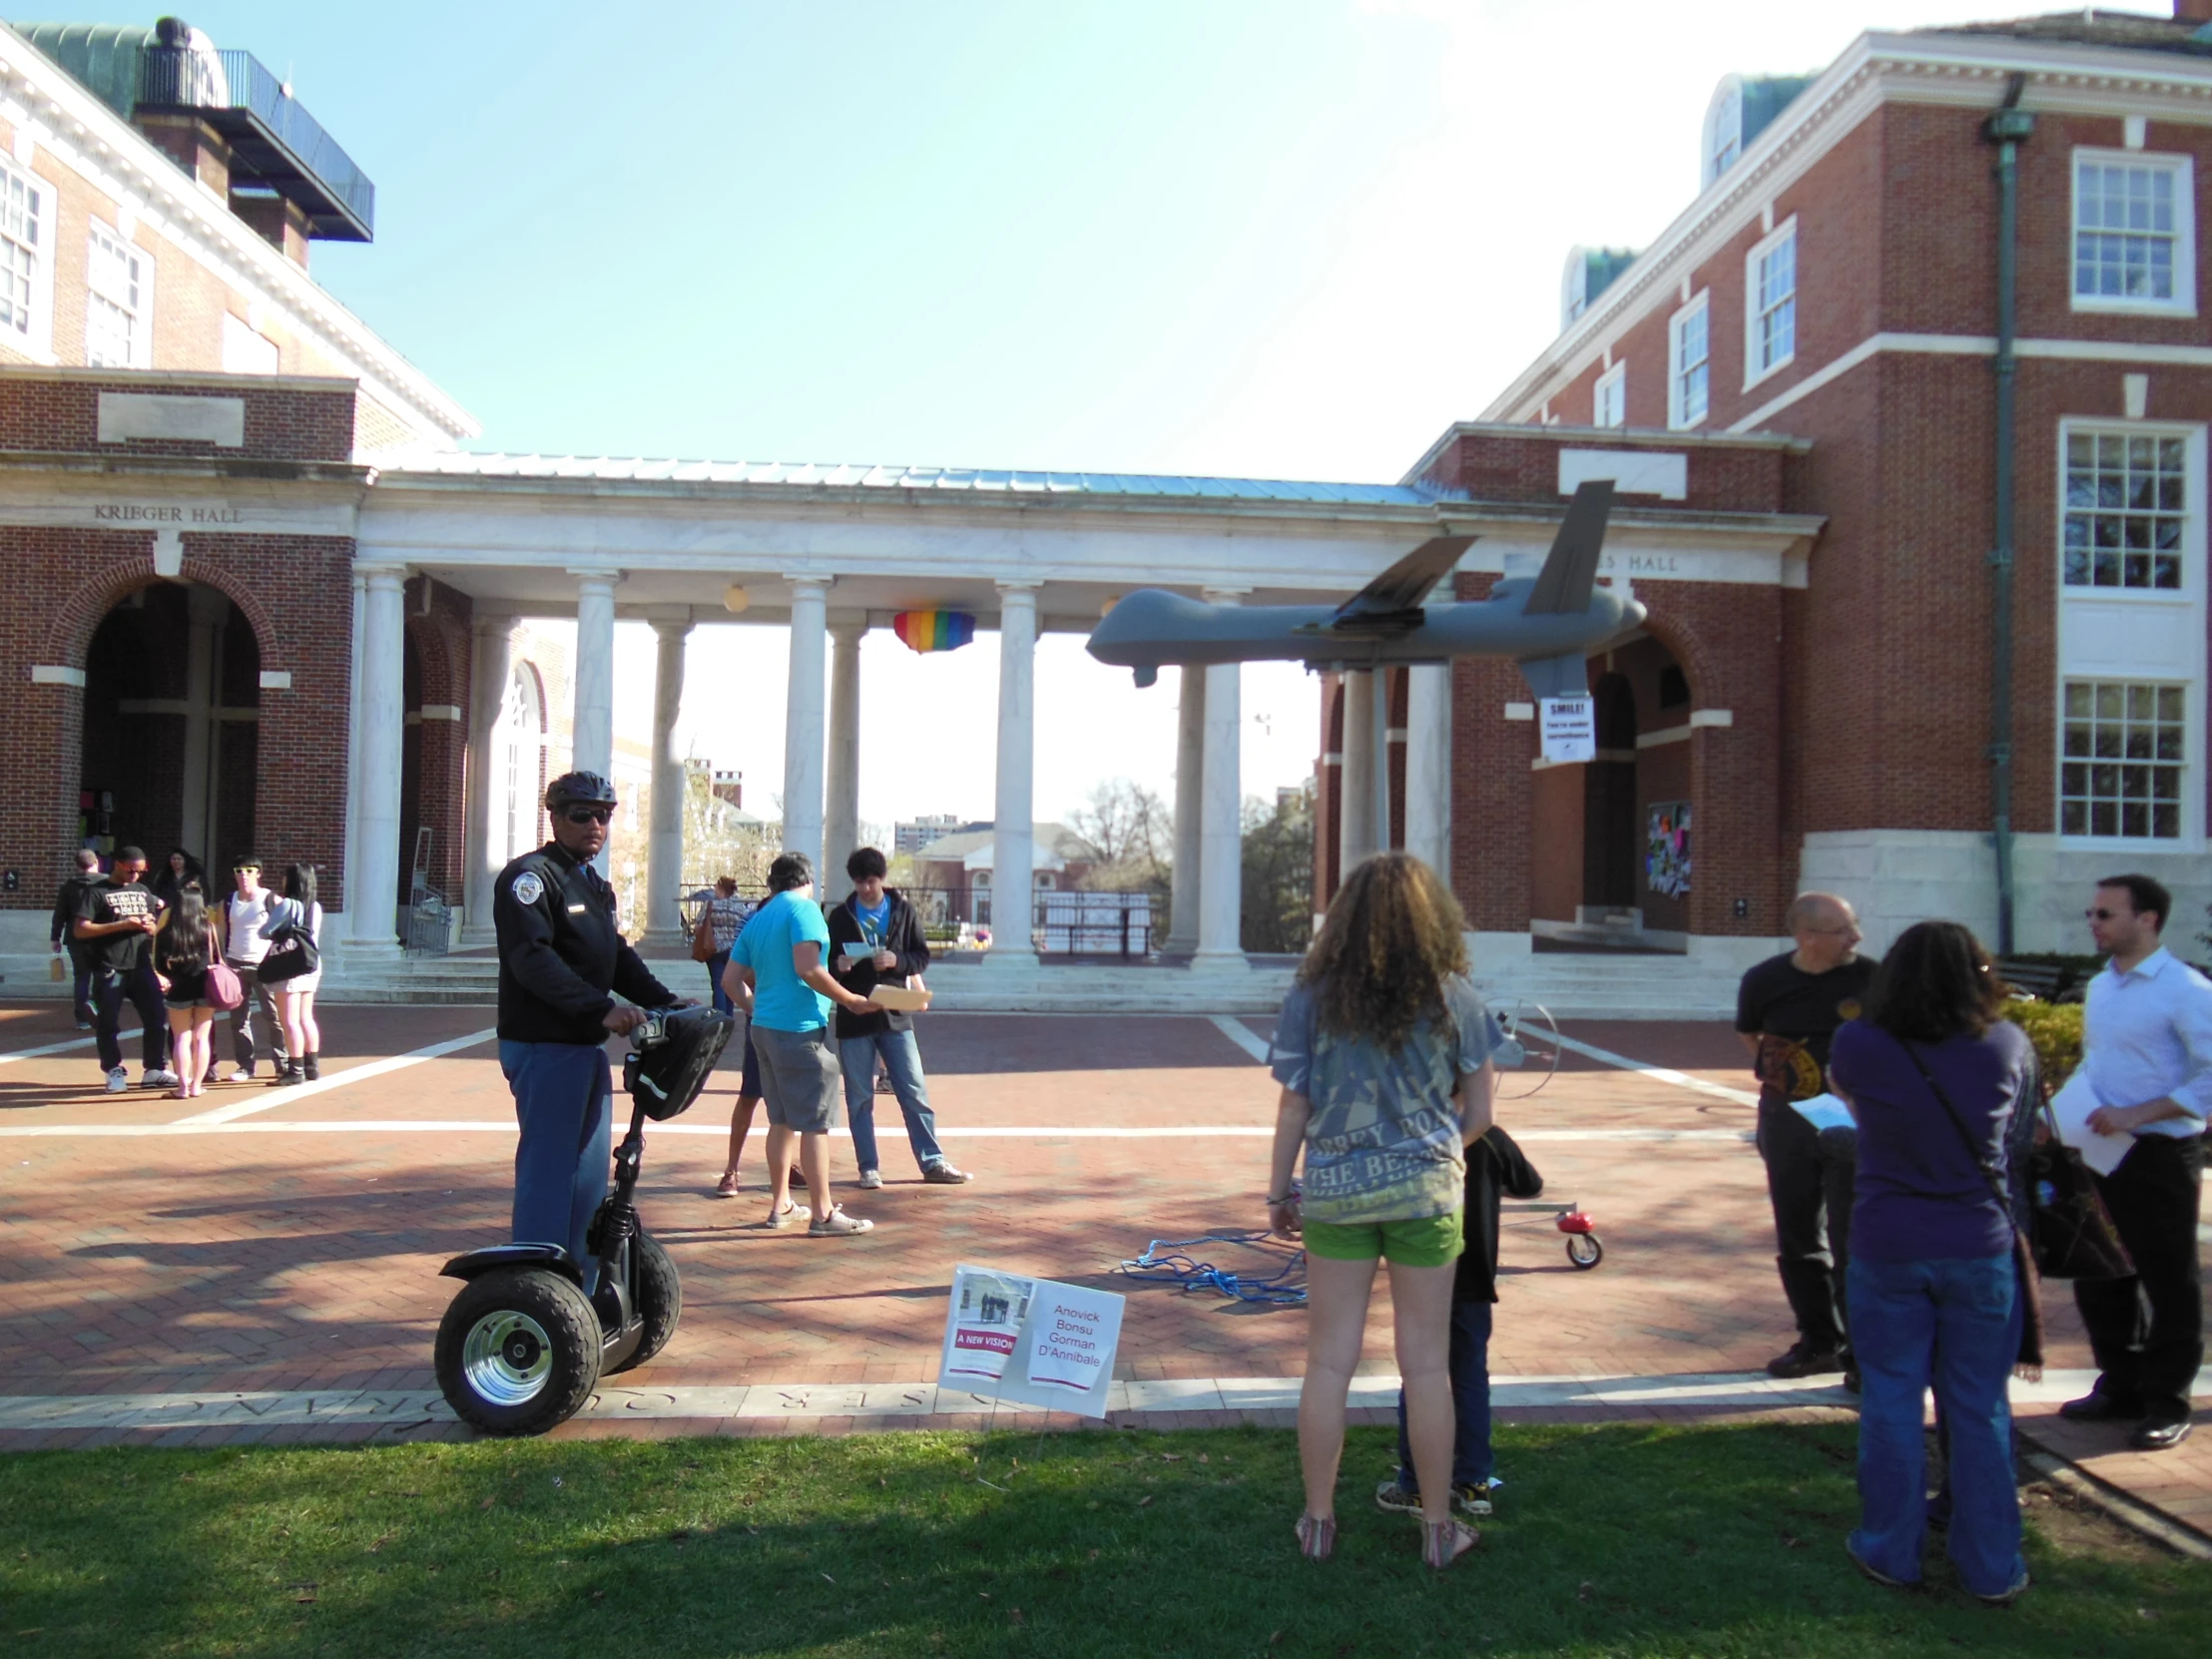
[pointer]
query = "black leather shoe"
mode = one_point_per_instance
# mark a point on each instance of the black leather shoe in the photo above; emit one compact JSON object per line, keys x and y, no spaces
{"x":2098,"y":1407}
{"x":2160,"y":1435}
{"x":1804,"y":1360}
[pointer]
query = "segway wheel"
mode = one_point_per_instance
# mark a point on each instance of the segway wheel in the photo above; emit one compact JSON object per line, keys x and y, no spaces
{"x":660,"y":1300}
{"x":518,"y":1352}
{"x":1584,"y":1251}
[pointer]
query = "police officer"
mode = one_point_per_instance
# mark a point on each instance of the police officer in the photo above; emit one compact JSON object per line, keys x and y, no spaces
{"x":559,"y":957}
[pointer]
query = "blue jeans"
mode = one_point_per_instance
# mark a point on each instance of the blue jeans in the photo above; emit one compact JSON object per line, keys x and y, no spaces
{"x":1954,"y":1325}
{"x":902,"y":1059}
{"x":564,"y":1096}
{"x":715,"y":964}
{"x":1471,"y":1464}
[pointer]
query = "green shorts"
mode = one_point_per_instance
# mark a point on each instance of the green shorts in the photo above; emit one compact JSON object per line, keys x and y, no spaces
{"x":1427,"y":1243}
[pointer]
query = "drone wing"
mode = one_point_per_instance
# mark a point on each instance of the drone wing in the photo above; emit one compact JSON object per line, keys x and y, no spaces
{"x":1570,"y":568}
{"x":1392,"y":603}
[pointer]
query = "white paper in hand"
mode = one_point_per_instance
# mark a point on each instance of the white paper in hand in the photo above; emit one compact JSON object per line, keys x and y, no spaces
{"x":1825,"y":1111}
{"x":2071,"y":1106}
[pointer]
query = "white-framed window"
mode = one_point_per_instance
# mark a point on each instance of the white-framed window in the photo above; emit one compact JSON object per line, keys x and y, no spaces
{"x":1770,"y":305}
{"x":118,"y":302}
{"x":1609,"y":397}
{"x":1724,"y":128}
{"x":2123,"y":759}
{"x":2126,"y":510}
{"x":25,"y":205}
{"x":1688,"y":363}
{"x":2134,"y":233}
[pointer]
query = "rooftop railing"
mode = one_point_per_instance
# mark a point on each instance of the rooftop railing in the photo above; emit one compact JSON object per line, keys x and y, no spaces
{"x":274,"y":140}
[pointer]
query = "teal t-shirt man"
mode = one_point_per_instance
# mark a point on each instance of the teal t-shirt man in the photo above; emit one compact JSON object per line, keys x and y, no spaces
{"x":781,"y":1002}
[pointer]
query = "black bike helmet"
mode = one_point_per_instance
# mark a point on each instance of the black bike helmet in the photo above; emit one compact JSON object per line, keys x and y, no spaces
{"x":578,"y":788}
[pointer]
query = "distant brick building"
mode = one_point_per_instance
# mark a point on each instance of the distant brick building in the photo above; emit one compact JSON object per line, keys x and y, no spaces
{"x":1812,"y":341}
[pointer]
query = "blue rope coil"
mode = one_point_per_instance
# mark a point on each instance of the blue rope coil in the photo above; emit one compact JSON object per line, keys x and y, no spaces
{"x":1167,"y":1262}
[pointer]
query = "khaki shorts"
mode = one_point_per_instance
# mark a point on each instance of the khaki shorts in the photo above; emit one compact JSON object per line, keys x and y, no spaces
{"x":799,"y":1078}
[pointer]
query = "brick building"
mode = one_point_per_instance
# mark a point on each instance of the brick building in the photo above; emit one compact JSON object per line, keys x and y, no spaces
{"x":1813,"y":339}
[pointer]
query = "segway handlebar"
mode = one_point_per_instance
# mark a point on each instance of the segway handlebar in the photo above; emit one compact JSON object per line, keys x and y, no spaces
{"x":671,"y":1056}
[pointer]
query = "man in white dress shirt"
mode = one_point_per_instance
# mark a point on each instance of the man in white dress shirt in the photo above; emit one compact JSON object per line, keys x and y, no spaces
{"x":2148,"y":1048}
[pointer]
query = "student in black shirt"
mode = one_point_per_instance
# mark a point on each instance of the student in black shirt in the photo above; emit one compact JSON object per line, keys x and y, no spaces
{"x":1786,"y":1009}
{"x":1495,"y":1166}
{"x":63,"y":934}
{"x":116,"y":918}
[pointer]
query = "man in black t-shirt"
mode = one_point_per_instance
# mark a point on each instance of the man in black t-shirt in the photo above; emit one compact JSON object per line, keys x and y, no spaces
{"x":115,"y":920}
{"x":1786,"y":1009}
{"x":64,"y":935}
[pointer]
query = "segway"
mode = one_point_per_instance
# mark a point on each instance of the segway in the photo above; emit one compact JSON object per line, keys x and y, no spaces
{"x":521,"y":1348}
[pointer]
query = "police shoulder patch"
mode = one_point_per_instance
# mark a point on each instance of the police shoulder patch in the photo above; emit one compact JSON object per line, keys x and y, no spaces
{"x":528,"y":887}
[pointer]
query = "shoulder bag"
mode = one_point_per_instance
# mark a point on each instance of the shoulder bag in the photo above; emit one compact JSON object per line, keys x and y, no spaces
{"x":703,"y":936}
{"x":292,"y":955}
{"x":224,"y":991}
{"x":2072,"y":1231}
{"x":2023,"y":1255}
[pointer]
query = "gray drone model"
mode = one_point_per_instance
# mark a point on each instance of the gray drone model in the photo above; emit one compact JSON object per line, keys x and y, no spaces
{"x":1547,"y":625}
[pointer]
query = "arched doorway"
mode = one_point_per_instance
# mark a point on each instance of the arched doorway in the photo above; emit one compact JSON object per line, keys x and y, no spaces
{"x":172,"y":750}
{"x":1609,"y":802}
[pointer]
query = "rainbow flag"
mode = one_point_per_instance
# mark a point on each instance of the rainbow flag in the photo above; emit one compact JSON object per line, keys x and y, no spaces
{"x":934,"y":630}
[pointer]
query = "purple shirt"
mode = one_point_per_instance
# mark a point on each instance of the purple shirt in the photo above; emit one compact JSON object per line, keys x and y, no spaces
{"x":1922,"y":1195}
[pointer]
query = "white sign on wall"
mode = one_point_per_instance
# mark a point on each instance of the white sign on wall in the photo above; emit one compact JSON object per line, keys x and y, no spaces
{"x":1569,"y":726}
{"x":1030,"y":1340}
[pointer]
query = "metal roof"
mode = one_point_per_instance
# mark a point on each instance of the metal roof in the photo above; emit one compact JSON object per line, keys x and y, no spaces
{"x":979,"y":480}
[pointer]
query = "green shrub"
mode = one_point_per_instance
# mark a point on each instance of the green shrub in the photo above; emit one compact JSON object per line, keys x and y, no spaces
{"x":2055,"y":1030}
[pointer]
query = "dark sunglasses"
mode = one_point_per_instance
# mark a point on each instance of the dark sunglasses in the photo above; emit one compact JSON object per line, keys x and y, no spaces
{"x":589,"y":815}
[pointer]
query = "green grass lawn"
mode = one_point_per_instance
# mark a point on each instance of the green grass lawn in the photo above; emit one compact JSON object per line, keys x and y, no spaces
{"x":1615,"y":1540}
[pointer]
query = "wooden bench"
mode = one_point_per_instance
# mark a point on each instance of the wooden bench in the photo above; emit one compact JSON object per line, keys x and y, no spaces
{"x":2045,"y":981}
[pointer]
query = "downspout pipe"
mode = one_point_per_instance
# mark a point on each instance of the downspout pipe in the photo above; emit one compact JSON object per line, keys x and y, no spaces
{"x":2008,"y":127}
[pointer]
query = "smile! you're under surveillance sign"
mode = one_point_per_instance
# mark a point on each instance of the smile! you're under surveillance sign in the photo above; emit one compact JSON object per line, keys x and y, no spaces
{"x":1030,"y":1340}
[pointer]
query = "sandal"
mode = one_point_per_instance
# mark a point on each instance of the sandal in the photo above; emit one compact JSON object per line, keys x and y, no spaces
{"x":1316,"y":1537}
{"x":726,"y":1187}
{"x":791,"y":1215}
{"x":1445,"y":1541}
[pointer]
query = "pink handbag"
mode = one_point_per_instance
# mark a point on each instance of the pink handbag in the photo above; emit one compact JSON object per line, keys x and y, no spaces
{"x":224,"y":993}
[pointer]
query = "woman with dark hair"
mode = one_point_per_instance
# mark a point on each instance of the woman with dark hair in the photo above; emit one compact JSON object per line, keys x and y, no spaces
{"x":177,"y":869}
{"x":1384,"y":1053}
{"x":295,"y":914}
{"x":185,"y":946}
{"x":1936,"y":1078}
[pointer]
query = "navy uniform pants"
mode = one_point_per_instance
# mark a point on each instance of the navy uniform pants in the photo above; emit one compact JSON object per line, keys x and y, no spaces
{"x":564,"y":1101}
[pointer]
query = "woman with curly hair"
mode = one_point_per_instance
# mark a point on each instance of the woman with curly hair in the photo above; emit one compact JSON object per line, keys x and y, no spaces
{"x":1384,"y":1053}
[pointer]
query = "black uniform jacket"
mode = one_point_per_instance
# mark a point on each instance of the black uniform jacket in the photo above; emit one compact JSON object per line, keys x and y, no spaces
{"x":559,"y":953}
{"x":903,"y":937}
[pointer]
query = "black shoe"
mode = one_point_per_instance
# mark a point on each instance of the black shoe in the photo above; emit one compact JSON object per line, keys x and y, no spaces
{"x":2098,"y":1407}
{"x":312,"y":1065}
{"x":287,"y":1075}
{"x":1804,"y":1360}
{"x":2160,"y":1434}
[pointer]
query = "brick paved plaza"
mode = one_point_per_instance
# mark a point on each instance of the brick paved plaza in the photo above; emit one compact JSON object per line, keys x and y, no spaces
{"x":294,"y":1248}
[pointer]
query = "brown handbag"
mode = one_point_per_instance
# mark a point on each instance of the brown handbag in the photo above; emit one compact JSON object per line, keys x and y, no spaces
{"x":703,"y":936}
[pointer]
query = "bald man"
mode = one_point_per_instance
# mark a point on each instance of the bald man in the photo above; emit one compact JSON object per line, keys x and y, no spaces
{"x":1786,"y":1009}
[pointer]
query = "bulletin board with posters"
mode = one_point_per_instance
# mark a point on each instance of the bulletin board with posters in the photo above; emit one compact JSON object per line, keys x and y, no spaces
{"x":1667,"y":848}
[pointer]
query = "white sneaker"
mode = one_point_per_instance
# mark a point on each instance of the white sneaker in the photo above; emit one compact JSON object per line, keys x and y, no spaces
{"x":118,"y":1080}
{"x":871,"y":1179}
{"x":161,"y":1079}
{"x":240,"y":1074}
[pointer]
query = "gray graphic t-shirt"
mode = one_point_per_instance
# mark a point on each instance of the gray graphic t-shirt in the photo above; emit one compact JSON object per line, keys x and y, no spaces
{"x":1383,"y":1143}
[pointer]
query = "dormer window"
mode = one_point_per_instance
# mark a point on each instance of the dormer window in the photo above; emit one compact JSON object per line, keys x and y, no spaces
{"x":1725,"y":144}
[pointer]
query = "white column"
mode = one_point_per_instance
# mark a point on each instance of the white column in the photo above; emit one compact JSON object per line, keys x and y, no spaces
{"x":664,"y":847}
{"x":803,"y":720}
{"x":354,"y":759}
{"x":842,"y":832}
{"x":1190,"y":790}
{"x":1355,"y":799}
{"x":1429,"y":764}
{"x":1013,"y":851}
{"x":383,"y":715}
{"x":490,"y":661}
{"x":1220,"y":827}
{"x":593,"y":729}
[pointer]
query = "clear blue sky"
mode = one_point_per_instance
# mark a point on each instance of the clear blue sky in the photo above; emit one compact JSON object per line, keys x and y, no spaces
{"x":1272,"y":238}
